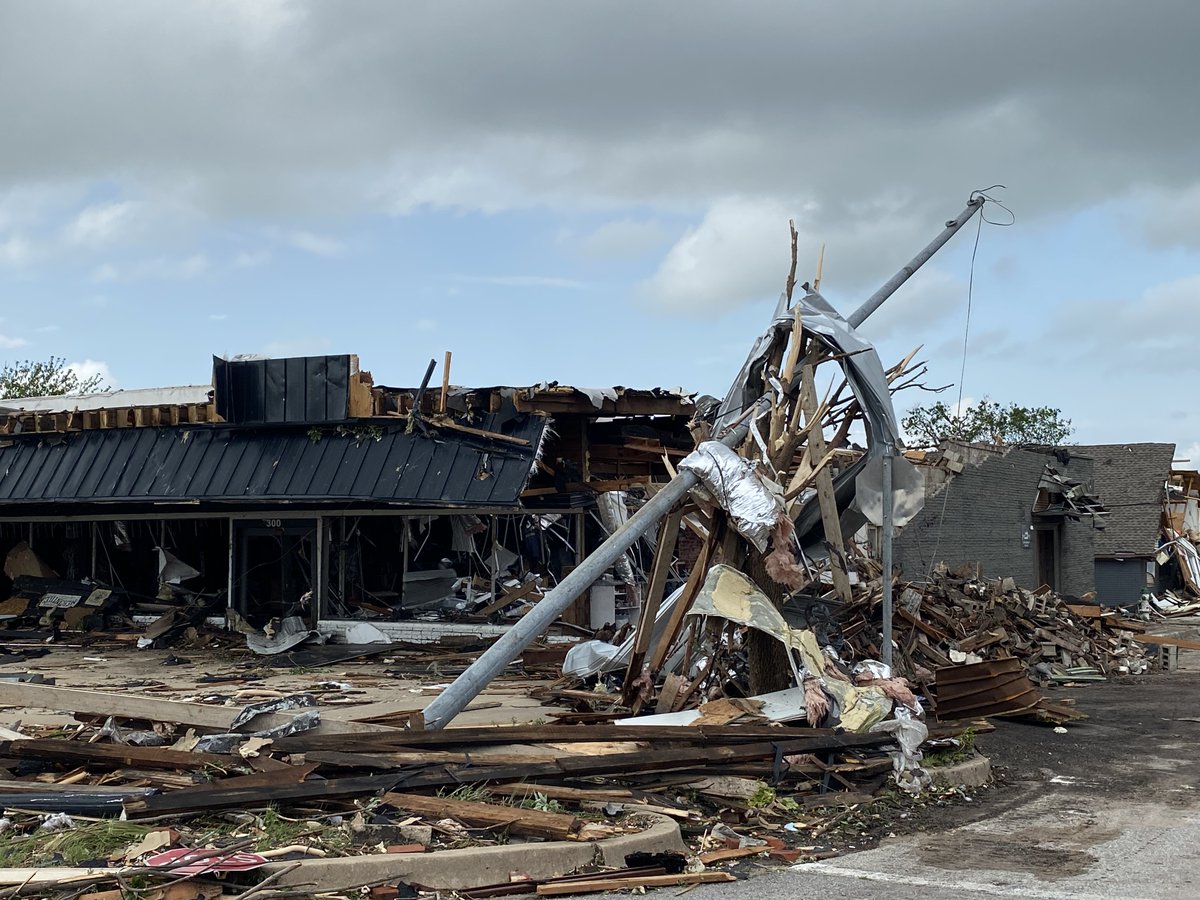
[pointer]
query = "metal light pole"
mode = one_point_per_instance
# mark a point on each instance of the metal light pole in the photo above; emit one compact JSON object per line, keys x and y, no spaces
{"x":856,"y":318}
{"x":467,"y":686}
{"x":533,"y":624}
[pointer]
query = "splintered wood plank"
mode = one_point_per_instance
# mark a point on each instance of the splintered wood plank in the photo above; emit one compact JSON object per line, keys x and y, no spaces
{"x":531,"y":822}
{"x":1164,"y":640}
{"x":668,"y":536}
{"x":209,"y":797}
{"x":824,"y":480}
{"x":695,"y":580}
{"x":602,"y":884}
{"x":109,"y":755}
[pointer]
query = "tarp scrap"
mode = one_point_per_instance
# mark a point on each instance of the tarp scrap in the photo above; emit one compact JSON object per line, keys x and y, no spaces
{"x":731,"y":595}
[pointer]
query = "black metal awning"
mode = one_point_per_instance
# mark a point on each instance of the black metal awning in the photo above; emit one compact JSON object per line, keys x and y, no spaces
{"x":262,"y":467}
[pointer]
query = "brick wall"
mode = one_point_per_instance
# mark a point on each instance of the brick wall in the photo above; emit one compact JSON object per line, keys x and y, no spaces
{"x":988,"y":507}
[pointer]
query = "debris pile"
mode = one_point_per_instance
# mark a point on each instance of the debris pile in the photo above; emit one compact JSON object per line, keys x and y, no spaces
{"x":241,"y":798}
{"x":959,"y":618}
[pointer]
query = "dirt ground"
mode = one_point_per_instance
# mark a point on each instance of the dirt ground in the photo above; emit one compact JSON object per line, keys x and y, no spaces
{"x":236,"y":675}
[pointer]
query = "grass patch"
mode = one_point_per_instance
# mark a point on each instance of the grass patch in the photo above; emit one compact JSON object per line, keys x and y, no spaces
{"x":278,"y":831}
{"x":764,"y":795}
{"x":470,"y":793}
{"x":542,"y":803}
{"x":949,"y":756}
{"x":86,"y":841}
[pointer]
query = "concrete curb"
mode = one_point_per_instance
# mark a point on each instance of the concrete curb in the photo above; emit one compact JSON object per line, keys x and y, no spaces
{"x":974,"y":772}
{"x":473,"y":867}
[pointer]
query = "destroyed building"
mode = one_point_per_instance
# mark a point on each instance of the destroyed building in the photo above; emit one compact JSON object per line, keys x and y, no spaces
{"x":1130,"y":479}
{"x":768,"y":665}
{"x":1020,"y":512}
{"x":298,"y":488}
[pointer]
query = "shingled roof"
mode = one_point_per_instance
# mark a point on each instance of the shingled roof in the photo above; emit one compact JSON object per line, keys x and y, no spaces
{"x":1129,"y":480}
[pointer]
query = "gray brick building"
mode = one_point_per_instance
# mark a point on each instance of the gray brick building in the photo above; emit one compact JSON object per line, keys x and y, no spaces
{"x":990,"y":514}
{"x":1130,"y":479}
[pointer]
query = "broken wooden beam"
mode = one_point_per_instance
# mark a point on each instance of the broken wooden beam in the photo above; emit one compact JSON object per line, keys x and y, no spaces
{"x":110,"y":756}
{"x":530,"y":822}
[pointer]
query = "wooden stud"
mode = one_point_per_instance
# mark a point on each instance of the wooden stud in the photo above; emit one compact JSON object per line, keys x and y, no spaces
{"x":445,"y":384}
{"x":824,"y":481}
{"x":668,"y":536}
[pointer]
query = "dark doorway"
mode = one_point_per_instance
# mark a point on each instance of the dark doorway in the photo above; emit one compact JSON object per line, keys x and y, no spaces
{"x":275,"y":568}
{"x":1047,"y":557}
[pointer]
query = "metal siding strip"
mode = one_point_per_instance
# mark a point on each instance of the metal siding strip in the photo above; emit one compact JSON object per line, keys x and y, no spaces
{"x":375,"y":455}
{"x":222,"y":473}
{"x":268,"y":450}
{"x":198,"y":444}
{"x":327,"y":468}
{"x":157,"y":454}
{"x":337,"y":388}
{"x":247,"y":391}
{"x":88,"y":444}
{"x":247,"y":465}
{"x":13,"y":459}
{"x":176,"y":444}
{"x":107,"y":442}
{"x":306,"y":467}
{"x":512,"y":475}
{"x":412,"y":476}
{"x":54,"y":469}
{"x":140,"y":446}
{"x":394,"y":464}
{"x":106,"y":486}
{"x":275,"y":391}
{"x":291,"y":450}
{"x":482,"y":491}
{"x":294,"y":403}
{"x":28,"y":481}
{"x":23,"y":456}
{"x":438,"y":473}
{"x":222,"y":395}
{"x":314,"y":389}
{"x":463,"y":467}
{"x":348,"y":470}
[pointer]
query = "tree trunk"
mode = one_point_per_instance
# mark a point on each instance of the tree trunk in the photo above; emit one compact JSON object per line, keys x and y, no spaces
{"x":769,"y":669}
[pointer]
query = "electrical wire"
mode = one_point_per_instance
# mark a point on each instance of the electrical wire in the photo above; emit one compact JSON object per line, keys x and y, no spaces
{"x":962,"y":372}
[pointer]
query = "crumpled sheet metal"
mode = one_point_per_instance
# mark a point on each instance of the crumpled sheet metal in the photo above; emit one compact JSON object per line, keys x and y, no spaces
{"x":254,"y":710}
{"x":863,"y":369}
{"x":729,"y":594}
{"x":226,"y":743}
{"x":292,"y":633}
{"x":868,"y":382}
{"x":753,"y":503}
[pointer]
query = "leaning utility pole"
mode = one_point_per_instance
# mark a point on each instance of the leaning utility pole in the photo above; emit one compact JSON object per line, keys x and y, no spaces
{"x":872,"y":303}
{"x":535,"y":623}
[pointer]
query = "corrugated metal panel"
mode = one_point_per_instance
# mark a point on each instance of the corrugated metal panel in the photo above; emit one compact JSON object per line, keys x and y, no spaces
{"x":1120,"y":582}
{"x":276,"y":391}
{"x":223,"y":464}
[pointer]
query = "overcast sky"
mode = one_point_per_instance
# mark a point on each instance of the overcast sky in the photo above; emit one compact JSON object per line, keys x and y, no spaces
{"x":598,"y":193}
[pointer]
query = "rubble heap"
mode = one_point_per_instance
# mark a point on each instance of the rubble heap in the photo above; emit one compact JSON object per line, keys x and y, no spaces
{"x":959,"y":618}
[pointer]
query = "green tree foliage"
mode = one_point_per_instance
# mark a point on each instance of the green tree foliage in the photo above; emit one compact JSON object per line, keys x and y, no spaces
{"x":44,"y":378}
{"x":986,"y":422}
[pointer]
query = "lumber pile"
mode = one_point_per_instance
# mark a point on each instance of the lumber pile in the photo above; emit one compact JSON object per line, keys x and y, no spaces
{"x":232,"y":791}
{"x":960,"y":618}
